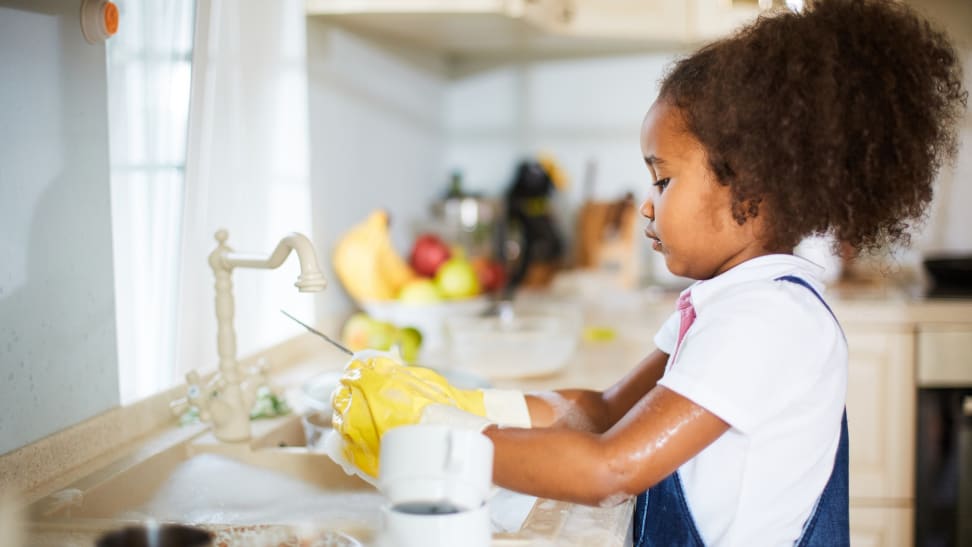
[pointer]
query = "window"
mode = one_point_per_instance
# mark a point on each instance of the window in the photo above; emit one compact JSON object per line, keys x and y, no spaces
{"x":149,"y":69}
{"x":208,"y":130}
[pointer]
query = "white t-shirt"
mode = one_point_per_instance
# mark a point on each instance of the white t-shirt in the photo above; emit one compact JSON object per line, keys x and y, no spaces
{"x":768,"y":358}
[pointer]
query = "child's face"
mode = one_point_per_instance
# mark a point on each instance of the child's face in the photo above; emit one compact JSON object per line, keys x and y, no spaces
{"x":690,"y":212}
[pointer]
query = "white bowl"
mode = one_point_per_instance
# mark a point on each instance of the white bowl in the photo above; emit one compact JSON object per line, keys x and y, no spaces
{"x":534,"y":341}
{"x":429,"y":319}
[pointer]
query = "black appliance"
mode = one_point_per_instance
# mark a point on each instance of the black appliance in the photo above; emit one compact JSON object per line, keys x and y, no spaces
{"x":943,"y":489}
{"x":528,"y":236}
{"x":950,"y":275}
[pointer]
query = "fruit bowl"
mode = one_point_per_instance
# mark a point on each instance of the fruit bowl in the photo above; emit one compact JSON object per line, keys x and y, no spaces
{"x":428,"y":318}
{"x":532,"y":341}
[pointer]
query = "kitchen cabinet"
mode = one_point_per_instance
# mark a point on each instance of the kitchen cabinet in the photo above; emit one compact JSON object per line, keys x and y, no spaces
{"x":880,"y":526}
{"x":659,"y":21}
{"x":881,"y":424}
{"x":475,"y":28}
{"x":881,"y":410}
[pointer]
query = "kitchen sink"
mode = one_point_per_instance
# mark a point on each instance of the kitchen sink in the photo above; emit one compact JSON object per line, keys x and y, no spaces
{"x":271,"y":481}
{"x":272,"y":490}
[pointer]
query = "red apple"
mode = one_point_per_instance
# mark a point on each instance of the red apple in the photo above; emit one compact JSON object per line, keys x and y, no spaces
{"x":428,"y":253}
{"x":491,"y":274}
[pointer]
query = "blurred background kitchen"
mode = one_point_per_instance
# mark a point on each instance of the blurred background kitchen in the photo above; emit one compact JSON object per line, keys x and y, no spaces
{"x":120,"y":159}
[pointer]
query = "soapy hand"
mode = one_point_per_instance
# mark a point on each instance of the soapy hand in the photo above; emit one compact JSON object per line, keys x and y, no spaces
{"x":454,"y":418}
{"x":378,"y":393}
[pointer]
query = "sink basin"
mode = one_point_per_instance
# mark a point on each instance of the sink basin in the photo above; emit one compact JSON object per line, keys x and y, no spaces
{"x":272,"y":491}
{"x":271,"y":481}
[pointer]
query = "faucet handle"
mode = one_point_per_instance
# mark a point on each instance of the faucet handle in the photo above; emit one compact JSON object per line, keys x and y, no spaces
{"x":179,"y":406}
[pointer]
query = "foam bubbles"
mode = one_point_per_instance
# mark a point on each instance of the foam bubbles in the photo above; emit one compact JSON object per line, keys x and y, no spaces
{"x":566,"y":413}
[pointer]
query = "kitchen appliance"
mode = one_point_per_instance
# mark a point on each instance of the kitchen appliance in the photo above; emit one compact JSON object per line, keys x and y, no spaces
{"x":465,"y":219}
{"x":950,"y":276}
{"x":530,"y":243}
{"x":943,"y":477}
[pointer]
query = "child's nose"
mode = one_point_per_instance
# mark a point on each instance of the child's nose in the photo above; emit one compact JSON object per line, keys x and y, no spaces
{"x":648,"y":209}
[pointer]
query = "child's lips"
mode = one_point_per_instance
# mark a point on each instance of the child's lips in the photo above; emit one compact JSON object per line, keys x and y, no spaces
{"x":656,"y":243}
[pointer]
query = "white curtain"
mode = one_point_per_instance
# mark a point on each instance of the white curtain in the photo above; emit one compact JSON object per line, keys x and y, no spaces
{"x":247,"y":171}
{"x":148,"y":89}
{"x":228,"y":151}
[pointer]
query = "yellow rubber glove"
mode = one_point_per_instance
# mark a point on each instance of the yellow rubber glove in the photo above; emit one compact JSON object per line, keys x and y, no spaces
{"x":378,"y":393}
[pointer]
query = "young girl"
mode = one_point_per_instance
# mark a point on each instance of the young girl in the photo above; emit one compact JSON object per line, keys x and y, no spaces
{"x":834,"y":121}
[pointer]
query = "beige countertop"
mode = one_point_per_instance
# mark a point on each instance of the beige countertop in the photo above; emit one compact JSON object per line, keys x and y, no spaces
{"x":57,"y":461}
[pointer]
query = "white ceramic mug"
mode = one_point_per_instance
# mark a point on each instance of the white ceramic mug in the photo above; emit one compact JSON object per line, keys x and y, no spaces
{"x":464,"y":528}
{"x":436,"y":466}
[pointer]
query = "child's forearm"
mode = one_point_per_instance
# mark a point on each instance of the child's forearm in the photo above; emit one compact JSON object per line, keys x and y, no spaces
{"x":660,"y":433}
{"x":577,"y":409}
{"x":554,"y":463}
{"x":596,"y":411}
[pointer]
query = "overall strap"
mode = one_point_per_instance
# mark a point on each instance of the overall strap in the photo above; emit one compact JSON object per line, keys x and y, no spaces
{"x":662,"y":517}
{"x":801,"y":281}
{"x":829,"y":521}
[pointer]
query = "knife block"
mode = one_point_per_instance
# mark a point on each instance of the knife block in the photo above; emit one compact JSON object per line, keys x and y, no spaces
{"x":606,"y":239}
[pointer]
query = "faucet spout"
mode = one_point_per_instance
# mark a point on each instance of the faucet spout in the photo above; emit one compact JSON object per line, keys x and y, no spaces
{"x":310,"y":280}
{"x":230,"y":418}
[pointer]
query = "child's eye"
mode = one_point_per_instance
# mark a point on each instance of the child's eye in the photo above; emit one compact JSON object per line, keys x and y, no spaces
{"x":661,"y":184}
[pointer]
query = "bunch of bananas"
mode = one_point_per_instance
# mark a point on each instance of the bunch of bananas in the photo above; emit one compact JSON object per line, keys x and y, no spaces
{"x":367,"y":263}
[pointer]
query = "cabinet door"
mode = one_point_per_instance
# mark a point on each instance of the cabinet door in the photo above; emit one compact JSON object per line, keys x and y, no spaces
{"x":881,"y":526}
{"x":684,"y":22}
{"x":881,"y":413}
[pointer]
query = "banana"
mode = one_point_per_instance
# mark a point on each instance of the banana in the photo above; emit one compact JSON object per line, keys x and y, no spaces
{"x":367,"y":263}
{"x":393,"y":267}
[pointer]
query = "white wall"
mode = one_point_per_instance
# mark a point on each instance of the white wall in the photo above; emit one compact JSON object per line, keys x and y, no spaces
{"x":376,"y":139}
{"x":579,"y":109}
{"x":57,"y":321}
{"x":582,"y":110}
{"x":950,"y":226}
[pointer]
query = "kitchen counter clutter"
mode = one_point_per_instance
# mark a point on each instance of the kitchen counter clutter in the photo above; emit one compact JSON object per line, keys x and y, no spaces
{"x":78,"y":481}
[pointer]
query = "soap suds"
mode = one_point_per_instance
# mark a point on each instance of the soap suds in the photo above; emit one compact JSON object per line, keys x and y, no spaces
{"x":212,"y":489}
{"x":214,"y":492}
{"x":567,"y":414}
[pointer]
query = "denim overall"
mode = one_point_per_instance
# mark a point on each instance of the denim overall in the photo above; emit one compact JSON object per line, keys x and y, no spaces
{"x":662,"y":517}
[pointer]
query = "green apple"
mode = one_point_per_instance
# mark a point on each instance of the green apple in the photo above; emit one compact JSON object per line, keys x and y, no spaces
{"x":382,"y":335}
{"x":456,"y":278}
{"x":420,"y":291}
{"x":362,"y":331}
{"x":356,"y":332}
{"x":409,"y":341}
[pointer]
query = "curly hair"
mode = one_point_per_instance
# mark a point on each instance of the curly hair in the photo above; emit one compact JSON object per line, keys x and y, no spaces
{"x":834,"y":121}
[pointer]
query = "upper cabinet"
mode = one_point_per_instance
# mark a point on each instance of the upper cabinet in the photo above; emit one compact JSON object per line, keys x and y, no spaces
{"x":507,"y":27}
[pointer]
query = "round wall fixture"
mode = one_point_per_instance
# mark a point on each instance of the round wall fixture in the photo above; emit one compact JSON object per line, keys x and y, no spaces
{"x":99,"y":20}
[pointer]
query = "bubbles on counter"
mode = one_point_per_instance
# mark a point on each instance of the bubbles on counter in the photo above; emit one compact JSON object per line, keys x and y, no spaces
{"x":213,"y":489}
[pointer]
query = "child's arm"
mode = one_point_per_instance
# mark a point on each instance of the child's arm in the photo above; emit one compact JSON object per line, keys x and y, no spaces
{"x":662,"y":431}
{"x":597,"y":411}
